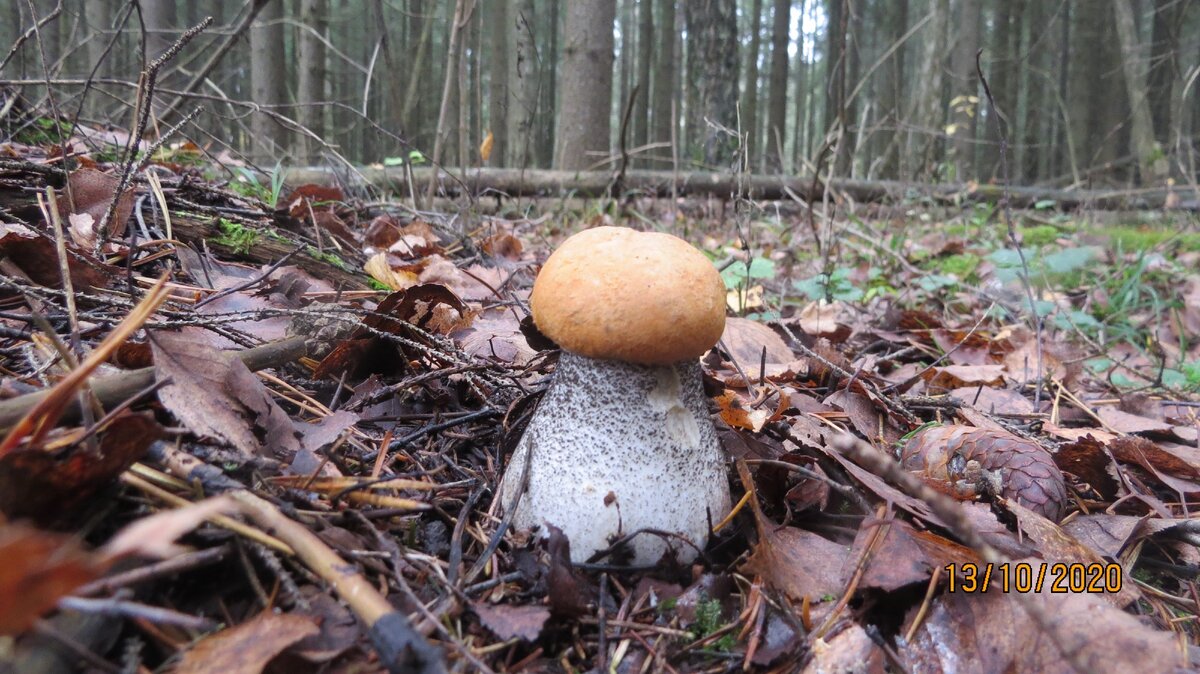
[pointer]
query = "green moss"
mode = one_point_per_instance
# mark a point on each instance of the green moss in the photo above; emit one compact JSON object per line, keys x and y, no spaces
{"x":1131,"y":239}
{"x":43,"y":131}
{"x":327,"y":258}
{"x":236,"y":236}
{"x":1039,"y":235}
{"x":962,"y":265}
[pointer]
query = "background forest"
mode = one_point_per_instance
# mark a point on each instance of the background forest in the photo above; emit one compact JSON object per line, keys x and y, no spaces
{"x":1092,"y":92}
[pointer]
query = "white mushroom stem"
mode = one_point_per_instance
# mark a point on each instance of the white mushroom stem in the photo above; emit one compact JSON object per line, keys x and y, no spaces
{"x":618,"y":448}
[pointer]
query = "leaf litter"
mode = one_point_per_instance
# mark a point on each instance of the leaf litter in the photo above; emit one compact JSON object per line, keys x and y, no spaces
{"x":365,"y":464}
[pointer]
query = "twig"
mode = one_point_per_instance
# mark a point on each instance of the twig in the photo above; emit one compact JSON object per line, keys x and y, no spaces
{"x":401,"y":649}
{"x":1006,"y":207}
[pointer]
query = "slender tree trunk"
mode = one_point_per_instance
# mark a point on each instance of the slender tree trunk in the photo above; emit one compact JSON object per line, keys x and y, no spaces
{"x":495,"y":17}
{"x":1152,"y":164}
{"x":548,"y":86}
{"x":837,"y":112}
{"x":413,"y":117}
{"x":1000,"y":70}
{"x":666,"y":66}
{"x":777,"y":103}
{"x":800,"y":85}
{"x":626,"y":53}
{"x":645,"y":45}
{"x":750,"y":92}
{"x":965,"y":88}
{"x":522,"y":84}
{"x":583,"y":129}
{"x":268,"y":80}
{"x":712,"y":40}
{"x":310,"y":87}
{"x":1164,"y":65}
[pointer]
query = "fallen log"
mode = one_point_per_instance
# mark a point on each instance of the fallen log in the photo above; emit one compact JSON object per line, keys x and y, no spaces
{"x":481,"y":182}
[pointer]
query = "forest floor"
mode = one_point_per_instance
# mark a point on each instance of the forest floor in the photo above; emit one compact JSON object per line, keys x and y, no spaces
{"x":317,"y":393}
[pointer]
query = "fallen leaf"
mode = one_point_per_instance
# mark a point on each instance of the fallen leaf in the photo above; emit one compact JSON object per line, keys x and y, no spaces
{"x":44,"y":483}
{"x":214,"y":394}
{"x":246,"y":648}
{"x":799,"y":563}
{"x":508,"y":621}
{"x":39,"y":569}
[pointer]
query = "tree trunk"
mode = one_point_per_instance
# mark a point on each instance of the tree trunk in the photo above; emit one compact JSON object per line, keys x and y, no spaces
{"x":777,"y":102}
{"x":495,"y":17}
{"x":522,"y":84}
{"x":641,"y":108}
{"x":547,"y":114}
{"x":626,"y":65}
{"x":268,"y":81}
{"x":663,"y":112}
{"x":965,"y":88}
{"x":712,"y":42}
{"x":310,"y":87}
{"x":1164,"y":66}
{"x":1152,"y":164}
{"x":582,"y":133}
{"x":750,"y":92}
{"x":801,"y":85}
{"x":837,"y":115}
{"x":1000,"y":72}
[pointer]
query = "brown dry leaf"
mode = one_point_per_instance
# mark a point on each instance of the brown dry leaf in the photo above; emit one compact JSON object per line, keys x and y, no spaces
{"x":958,"y":376}
{"x":90,"y":194}
{"x":991,"y":632}
{"x":339,"y":629}
{"x":1085,"y":458}
{"x":830,"y":320}
{"x":508,"y":621}
{"x":1153,"y":456}
{"x":44,"y":483}
{"x":495,"y":335}
{"x":247,"y":648}
{"x":1056,"y":545}
{"x":865,"y":415}
{"x":798,"y":562}
{"x":503,"y":245}
{"x":215,"y":394}
{"x":37,"y":257}
{"x":378,"y":268}
{"x":993,"y":400}
{"x":963,"y":347}
{"x":317,"y":197}
{"x":1124,"y":422}
{"x":746,"y":341}
{"x":416,"y":240}
{"x":904,"y":556}
{"x":1027,"y":472}
{"x":381,"y":233}
{"x":39,"y":569}
{"x":737,"y":412}
{"x":850,"y":650}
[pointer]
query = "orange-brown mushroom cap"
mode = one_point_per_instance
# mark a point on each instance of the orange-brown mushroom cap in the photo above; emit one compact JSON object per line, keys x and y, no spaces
{"x":640,"y":297}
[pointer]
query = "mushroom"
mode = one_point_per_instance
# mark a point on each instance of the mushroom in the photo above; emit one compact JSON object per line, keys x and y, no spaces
{"x":622,"y":441}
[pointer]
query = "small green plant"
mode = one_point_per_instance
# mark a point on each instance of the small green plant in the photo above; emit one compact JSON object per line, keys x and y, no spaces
{"x":237,"y":237}
{"x":708,"y":621}
{"x":708,"y":617}
{"x":739,"y":274}
{"x":247,"y":185}
{"x":833,"y":286}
